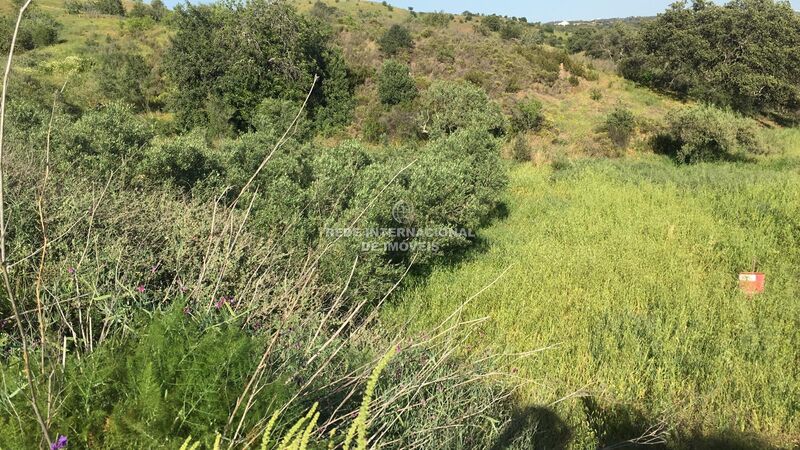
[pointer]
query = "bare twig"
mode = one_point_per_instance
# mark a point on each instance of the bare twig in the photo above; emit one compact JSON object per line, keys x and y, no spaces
{"x":3,"y":258}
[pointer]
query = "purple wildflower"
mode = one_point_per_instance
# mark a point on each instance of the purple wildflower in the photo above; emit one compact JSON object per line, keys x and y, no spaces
{"x":60,"y":443}
{"x":71,"y":270}
{"x":221,"y":302}
{"x":140,"y":288}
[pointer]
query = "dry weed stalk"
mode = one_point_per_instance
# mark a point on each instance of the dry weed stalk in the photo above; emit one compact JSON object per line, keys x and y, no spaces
{"x":3,"y":257}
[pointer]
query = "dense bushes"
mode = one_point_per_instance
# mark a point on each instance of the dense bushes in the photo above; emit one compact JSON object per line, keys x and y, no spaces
{"x":155,"y":10}
{"x":153,"y":378}
{"x":439,"y":19}
{"x":449,"y":106}
{"x":184,"y":160}
{"x":238,"y":55}
{"x":453,"y":184}
{"x":705,"y":133}
{"x":124,"y":74}
{"x":111,"y":7}
{"x":397,"y":38}
{"x":511,"y":30}
{"x":104,"y":140}
{"x":395,"y":85}
{"x":741,"y":55}
{"x":39,"y":29}
{"x":492,"y":22}
{"x":610,"y":42}
{"x":549,"y":62}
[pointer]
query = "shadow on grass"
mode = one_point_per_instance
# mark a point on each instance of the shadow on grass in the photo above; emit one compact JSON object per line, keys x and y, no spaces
{"x":614,"y":427}
{"x":535,"y":428}
{"x":619,"y":426}
{"x":478,"y":246}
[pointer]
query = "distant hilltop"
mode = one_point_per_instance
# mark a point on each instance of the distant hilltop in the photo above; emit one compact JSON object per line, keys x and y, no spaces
{"x":632,"y":19}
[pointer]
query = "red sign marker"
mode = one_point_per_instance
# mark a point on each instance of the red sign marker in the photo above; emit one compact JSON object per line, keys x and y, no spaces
{"x":752,"y":283}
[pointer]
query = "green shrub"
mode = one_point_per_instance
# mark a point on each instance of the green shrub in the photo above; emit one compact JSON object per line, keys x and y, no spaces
{"x":275,"y":116}
{"x":492,"y":22}
{"x":175,"y":378}
{"x":374,"y":129}
{"x":395,"y":85}
{"x":706,"y":133}
{"x":124,"y":74}
{"x":236,"y":56}
{"x":687,"y":51}
{"x":477,"y":77}
{"x":323,"y":12}
{"x":573,"y":81}
{"x":520,"y":151}
{"x":527,"y":115}
{"x":457,"y":182}
{"x":596,"y":94}
{"x":39,"y":29}
{"x":448,"y":106}
{"x":547,"y":62}
{"x":184,"y":160}
{"x":155,"y":10}
{"x":74,"y":6}
{"x":397,"y":38}
{"x":608,"y":42}
{"x":619,"y":125}
{"x":513,"y":85}
{"x":438,"y":19}
{"x":511,"y":30}
{"x":110,"y":7}
{"x":105,"y":140}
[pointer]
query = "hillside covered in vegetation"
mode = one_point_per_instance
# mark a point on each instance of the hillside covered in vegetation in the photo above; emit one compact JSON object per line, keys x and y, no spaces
{"x":343,"y":224}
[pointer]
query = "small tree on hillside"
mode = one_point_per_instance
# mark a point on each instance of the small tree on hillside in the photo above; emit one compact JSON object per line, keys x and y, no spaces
{"x":527,"y":115}
{"x":395,"y":85}
{"x":449,"y":106}
{"x":620,"y":125}
{"x":395,"y":39}
{"x":493,"y":22}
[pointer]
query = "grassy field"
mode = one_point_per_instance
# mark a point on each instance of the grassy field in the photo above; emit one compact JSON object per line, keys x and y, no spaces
{"x":628,"y":269}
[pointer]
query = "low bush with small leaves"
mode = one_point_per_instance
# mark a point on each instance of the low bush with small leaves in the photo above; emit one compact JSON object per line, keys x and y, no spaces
{"x":448,"y":106}
{"x":527,"y":115}
{"x":520,"y":151}
{"x":707,"y":133}
{"x":619,"y":126}
{"x":395,"y":85}
{"x":396,"y":39}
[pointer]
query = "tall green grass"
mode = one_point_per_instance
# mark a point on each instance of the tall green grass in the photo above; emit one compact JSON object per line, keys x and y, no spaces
{"x":630,"y":269}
